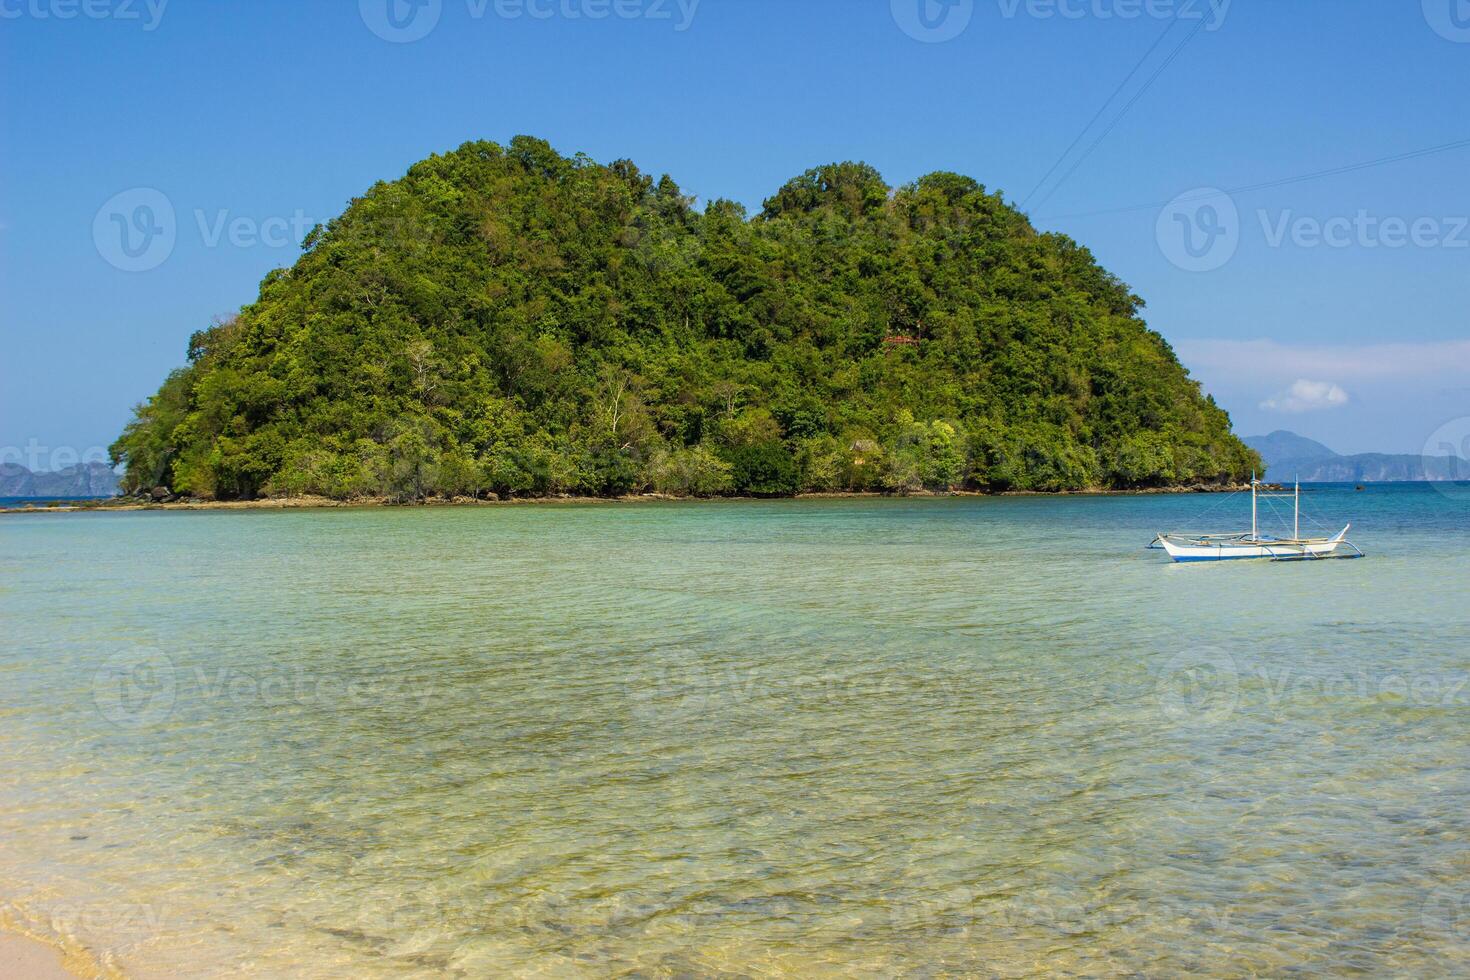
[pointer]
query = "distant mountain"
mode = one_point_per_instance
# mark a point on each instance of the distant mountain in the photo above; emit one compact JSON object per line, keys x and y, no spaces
{"x":1289,"y":456}
{"x":90,"y":480}
{"x":1283,"y":445}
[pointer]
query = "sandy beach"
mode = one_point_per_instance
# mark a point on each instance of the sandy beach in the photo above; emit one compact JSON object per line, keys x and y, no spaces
{"x":29,"y":959}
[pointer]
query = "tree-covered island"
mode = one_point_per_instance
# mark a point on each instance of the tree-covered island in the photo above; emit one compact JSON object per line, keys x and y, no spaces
{"x":508,"y":320}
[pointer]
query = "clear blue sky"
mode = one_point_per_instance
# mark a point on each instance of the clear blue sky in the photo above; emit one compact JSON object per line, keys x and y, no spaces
{"x":273,"y":109}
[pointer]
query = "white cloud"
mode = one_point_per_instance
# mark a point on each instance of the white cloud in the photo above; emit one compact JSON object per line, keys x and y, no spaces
{"x":1307,"y":396}
{"x":1342,"y":361}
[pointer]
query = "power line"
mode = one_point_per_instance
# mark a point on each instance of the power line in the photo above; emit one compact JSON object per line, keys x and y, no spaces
{"x":1119,"y":118}
{"x":1281,"y":182}
{"x":1100,"y":110}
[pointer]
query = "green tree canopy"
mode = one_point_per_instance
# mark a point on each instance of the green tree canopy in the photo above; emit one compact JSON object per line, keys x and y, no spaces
{"x":507,"y":319}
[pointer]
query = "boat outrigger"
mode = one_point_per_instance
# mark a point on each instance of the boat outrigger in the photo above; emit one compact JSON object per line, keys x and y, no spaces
{"x":1253,"y":544}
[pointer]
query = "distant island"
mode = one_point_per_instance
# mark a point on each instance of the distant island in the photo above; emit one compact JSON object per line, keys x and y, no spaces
{"x":82,"y":480}
{"x":507,"y":320}
{"x":1289,"y":456}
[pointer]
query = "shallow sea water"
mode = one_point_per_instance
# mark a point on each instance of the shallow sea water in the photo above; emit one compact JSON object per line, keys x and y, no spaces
{"x":938,"y":737}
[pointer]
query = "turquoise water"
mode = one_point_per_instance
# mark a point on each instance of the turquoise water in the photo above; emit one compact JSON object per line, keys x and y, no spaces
{"x":948,"y":737}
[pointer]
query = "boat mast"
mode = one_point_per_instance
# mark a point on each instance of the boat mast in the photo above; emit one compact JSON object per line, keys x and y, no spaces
{"x":1296,"y":511}
{"x":1253,"y":505}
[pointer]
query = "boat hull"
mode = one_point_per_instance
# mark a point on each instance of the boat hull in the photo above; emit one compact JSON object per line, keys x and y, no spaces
{"x":1246,"y":549}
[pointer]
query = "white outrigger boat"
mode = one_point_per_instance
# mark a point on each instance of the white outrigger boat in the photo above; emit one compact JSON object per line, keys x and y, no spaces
{"x":1253,"y":544}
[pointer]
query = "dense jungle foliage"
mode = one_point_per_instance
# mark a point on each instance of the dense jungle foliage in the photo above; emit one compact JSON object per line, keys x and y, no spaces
{"x":508,"y":320}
